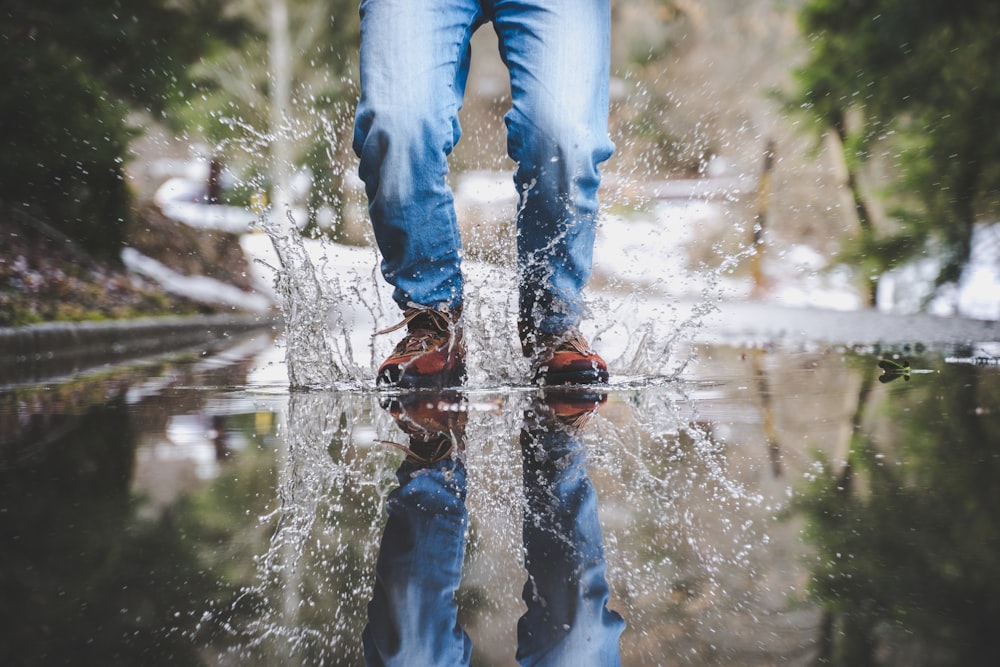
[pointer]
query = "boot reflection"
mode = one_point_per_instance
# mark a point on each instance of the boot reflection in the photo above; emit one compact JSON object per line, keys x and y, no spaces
{"x":412,"y":617}
{"x":567,"y":621}
{"x":434,"y":423}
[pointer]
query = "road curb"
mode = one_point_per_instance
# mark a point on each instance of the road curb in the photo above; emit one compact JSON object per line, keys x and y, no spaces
{"x":42,"y":349}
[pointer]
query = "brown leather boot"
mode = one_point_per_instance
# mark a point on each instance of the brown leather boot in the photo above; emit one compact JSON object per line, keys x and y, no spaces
{"x":434,"y":423}
{"x":431,"y":355}
{"x":573,"y":408}
{"x":564,"y":359}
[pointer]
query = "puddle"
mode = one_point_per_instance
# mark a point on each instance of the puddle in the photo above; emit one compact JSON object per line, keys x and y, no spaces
{"x":768,"y":506}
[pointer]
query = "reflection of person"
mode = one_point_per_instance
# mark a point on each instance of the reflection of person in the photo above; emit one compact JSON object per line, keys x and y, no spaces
{"x":414,"y":62}
{"x":567,"y":621}
{"x":412,"y":618}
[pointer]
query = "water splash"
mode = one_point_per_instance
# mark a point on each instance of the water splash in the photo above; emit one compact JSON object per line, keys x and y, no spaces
{"x":314,"y":579}
{"x":678,"y":523}
{"x":306,"y":307}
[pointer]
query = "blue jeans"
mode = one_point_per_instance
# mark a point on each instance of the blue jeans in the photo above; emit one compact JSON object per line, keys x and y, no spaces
{"x":414,"y":63}
{"x":567,"y":621}
{"x":412,"y":617}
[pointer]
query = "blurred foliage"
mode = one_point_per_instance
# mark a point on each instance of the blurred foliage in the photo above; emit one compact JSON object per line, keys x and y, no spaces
{"x":73,"y":72}
{"x":232,"y":104}
{"x":647,"y":38}
{"x":232,"y":107}
{"x":77,"y":72}
{"x":46,"y":278}
{"x":905,"y":529}
{"x":93,"y":573}
{"x":910,"y":84}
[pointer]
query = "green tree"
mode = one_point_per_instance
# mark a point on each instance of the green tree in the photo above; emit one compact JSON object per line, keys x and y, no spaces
{"x":73,"y":72}
{"x":909,"y":79}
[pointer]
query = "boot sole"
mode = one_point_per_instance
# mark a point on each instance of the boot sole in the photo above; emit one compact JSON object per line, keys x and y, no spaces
{"x":588,"y":376}
{"x":453,"y":378}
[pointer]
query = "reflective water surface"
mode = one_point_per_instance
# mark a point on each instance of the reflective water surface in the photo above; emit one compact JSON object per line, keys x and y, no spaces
{"x":768,"y":506}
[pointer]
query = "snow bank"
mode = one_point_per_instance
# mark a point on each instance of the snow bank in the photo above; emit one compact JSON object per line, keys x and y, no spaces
{"x":197,"y":288}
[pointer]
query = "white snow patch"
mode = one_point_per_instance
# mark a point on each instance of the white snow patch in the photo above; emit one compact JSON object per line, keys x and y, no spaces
{"x":485,"y":188}
{"x":650,"y":251}
{"x":799,"y":278}
{"x":910,"y":288}
{"x":232,"y":219}
{"x":197,"y":288}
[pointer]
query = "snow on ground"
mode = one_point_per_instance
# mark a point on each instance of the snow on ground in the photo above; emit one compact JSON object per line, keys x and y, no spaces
{"x":908,"y":289}
{"x":197,"y":288}
{"x":648,"y":251}
{"x":800,"y":278}
{"x":200,"y":216}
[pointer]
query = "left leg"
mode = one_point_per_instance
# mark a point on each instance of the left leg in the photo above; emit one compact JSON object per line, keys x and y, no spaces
{"x":558,"y":56}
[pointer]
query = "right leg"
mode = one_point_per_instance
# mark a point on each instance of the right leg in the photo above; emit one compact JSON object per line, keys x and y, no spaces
{"x":414,"y":63}
{"x":413,"y":616}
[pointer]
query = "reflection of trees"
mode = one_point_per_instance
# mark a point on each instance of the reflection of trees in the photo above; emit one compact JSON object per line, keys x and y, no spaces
{"x":906,"y":530}
{"x":223,"y":575}
{"x":84,"y":581}
{"x":765,"y":397}
{"x":87,"y":575}
{"x":228,"y":576}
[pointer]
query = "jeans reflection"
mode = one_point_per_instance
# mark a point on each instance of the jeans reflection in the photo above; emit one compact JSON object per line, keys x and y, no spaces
{"x":412,"y":617}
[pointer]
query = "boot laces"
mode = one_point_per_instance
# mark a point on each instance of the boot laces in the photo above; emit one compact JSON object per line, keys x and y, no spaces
{"x":575,"y":342}
{"x":428,"y":329}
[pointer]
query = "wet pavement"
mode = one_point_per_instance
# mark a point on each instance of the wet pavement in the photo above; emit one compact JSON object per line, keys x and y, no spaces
{"x":771,"y":505}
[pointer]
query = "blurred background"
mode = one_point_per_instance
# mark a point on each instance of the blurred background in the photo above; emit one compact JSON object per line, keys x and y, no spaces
{"x":850,"y":143}
{"x":806,"y":503}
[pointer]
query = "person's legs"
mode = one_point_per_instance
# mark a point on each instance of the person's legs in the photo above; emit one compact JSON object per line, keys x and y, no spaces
{"x":414,"y":63}
{"x":558,"y":55}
